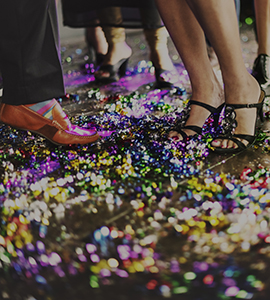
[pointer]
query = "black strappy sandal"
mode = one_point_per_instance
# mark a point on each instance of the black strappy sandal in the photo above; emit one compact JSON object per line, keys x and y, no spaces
{"x":229,"y":123}
{"x":181,"y":124}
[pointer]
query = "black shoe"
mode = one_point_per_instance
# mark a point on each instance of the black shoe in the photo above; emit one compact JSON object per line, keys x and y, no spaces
{"x":115,"y":71}
{"x":229,"y":123}
{"x":181,"y":123}
{"x":261,"y":71}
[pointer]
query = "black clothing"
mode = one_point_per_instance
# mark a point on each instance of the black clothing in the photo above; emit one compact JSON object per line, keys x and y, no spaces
{"x":135,"y":13}
{"x":29,"y":51}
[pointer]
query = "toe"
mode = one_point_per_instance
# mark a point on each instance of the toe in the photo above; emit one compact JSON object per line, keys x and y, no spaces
{"x":175,"y":135}
{"x":231,"y":144}
{"x":216,"y":143}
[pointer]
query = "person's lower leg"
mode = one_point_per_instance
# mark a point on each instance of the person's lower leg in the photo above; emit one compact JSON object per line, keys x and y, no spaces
{"x":116,"y":36}
{"x":95,"y":37}
{"x":219,"y":21}
{"x":262,"y":13}
{"x":189,"y":40}
{"x":157,"y":39}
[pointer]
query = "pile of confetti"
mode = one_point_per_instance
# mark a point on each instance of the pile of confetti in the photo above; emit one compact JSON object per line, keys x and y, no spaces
{"x":134,"y":215}
{"x":109,"y":210}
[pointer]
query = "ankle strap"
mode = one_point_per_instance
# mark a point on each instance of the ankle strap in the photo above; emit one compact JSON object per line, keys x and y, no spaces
{"x":248,"y":105}
{"x":204,"y":105}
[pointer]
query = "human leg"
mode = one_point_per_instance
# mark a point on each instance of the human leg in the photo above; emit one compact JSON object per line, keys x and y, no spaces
{"x":97,"y":43}
{"x":157,"y":38}
{"x":262,"y":15}
{"x":211,"y":52}
{"x":189,"y":40}
{"x":118,"y":50}
{"x":218,"y":19}
{"x":29,"y":52}
{"x":219,"y":22}
{"x":261,"y":67}
{"x":32,"y":72}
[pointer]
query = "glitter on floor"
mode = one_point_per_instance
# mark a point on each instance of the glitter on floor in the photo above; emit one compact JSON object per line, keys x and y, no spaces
{"x":132,"y":216}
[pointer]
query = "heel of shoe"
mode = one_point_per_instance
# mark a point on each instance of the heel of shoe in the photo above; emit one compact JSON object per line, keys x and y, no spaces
{"x":260,"y":109}
{"x":261,"y":115}
{"x":99,"y":58}
{"x":123,"y":68}
{"x":215,"y":120}
{"x":216,"y":116}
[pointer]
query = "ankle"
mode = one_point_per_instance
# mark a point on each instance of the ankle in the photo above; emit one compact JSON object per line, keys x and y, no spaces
{"x":161,"y":59}
{"x":117,"y":52}
{"x":210,"y":93}
{"x":243,"y":92}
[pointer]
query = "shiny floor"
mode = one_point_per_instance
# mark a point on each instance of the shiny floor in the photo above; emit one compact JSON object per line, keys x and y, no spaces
{"x":133,"y":216}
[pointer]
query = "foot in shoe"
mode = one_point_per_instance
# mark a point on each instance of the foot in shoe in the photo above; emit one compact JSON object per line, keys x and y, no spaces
{"x":111,"y":73}
{"x":192,"y":123}
{"x":48,"y":120}
{"x":261,"y":72}
{"x":239,"y":126}
{"x":115,"y":61}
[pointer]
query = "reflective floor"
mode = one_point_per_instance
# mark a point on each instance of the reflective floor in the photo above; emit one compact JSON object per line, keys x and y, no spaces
{"x":133,"y":216}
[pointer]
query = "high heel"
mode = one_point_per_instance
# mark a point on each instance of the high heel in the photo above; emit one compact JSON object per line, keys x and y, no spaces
{"x":94,"y":60}
{"x":181,"y":123}
{"x":216,"y":115}
{"x":261,"y":72}
{"x":166,"y":78}
{"x":229,"y":124}
{"x":115,"y":71}
{"x":99,"y":58}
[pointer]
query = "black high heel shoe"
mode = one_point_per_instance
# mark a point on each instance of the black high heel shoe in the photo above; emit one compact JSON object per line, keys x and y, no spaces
{"x":115,"y":71}
{"x":229,"y":123}
{"x":261,"y":72}
{"x":166,"y":78}
{"x":181,"y":124}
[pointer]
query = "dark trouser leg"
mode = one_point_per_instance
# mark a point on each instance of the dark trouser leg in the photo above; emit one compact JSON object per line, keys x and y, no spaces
{"x":151,"y":17}
{"x":29,"y":51}
{"x":157,"y":38}
{"x":112,"y":15}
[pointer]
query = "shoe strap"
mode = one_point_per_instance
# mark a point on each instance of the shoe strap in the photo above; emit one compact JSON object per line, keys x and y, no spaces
{"x":210,"y":108}
{"x":195,"y":128}
{"x":235,"y":138}
{"x":179,"y":130}
{"x":248,"y":105}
